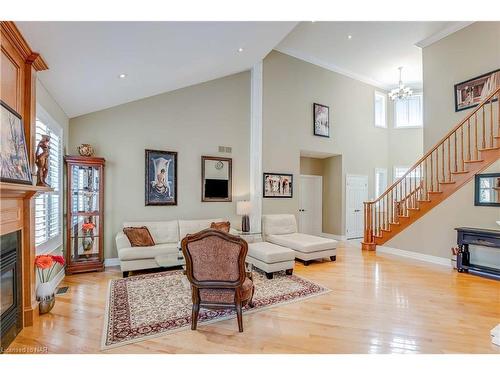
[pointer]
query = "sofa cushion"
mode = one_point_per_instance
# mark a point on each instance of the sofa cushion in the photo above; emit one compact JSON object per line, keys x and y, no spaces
{"x":194,"y":226}
{"x":270,"y":253}
{"x":304,"y":243}
{"x":278,"y":224}
{"x":161,"y":231}
{"x":147,"y":252}
{"x":139,"y":236}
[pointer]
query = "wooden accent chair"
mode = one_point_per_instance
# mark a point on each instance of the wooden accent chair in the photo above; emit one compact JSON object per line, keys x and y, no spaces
{"x":215,"y":267}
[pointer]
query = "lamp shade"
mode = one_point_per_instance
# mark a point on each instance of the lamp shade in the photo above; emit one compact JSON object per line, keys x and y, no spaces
{"x":243,"y":208}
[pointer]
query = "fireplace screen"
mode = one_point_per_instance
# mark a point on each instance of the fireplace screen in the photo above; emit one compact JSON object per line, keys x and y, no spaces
{"x":6,"y":290}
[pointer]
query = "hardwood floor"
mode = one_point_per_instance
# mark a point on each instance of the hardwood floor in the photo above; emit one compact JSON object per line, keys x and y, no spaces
{"x":379,"y":304}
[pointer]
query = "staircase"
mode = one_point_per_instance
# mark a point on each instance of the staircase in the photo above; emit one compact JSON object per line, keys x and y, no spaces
{"x":466,"y":150}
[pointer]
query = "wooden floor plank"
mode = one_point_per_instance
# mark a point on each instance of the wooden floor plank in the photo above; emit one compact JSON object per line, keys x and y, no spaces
{"x":379,"y":304}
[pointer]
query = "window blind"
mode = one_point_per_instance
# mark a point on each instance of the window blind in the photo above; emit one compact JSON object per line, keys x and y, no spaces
{"x":48,"y":206}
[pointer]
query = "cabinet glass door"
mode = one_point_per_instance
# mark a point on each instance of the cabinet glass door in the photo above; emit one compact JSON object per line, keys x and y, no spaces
{"x":85,"y":212}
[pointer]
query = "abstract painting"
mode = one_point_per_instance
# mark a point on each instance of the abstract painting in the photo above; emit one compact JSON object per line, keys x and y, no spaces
{"x":161,"y":178}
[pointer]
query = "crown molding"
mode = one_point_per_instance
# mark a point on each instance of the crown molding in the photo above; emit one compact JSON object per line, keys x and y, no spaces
{"x":332,"y":67}
{"x":443,"y":33}
{"x":10,"y":30}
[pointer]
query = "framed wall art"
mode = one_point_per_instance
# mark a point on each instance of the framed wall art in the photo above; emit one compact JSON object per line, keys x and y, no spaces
{"x":321,"y":120}
{"x":278,"y":185}
{"x":14,"y":162}
{"x":470,"y":93}
{"x":161,"y":178}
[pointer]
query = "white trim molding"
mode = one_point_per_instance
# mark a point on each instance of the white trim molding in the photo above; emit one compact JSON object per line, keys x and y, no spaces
{"x":456,"y":26}
{"x":111,"y":262}
{"x":414,"y":255}
{"x":332,"y":67}
{"x":256,"y":146}
{"x":334,"y":236}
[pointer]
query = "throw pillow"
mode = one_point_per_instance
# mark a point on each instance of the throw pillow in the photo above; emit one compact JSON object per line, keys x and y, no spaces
{"x":222,"y":226}
{"x":139,"y":236}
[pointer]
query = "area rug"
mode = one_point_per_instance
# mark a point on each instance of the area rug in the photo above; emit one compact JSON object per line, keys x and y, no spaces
{"x":152,"y":305}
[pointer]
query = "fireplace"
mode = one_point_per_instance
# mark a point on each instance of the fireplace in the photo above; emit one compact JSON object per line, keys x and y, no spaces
{"x":10,"y":287}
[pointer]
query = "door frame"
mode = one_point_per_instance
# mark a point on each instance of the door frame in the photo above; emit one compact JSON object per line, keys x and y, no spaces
{"x":320,"y":179}
{"x":346,"y":195}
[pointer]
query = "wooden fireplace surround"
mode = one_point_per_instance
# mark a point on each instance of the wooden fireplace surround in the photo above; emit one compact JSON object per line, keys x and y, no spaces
{"x":19,"y":66}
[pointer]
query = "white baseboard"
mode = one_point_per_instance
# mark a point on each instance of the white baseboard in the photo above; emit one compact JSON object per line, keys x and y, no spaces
{"x":58,"y":278}
{"x":333,"y":236}
{"x":111,"y":262}
{"x":414,"y":255}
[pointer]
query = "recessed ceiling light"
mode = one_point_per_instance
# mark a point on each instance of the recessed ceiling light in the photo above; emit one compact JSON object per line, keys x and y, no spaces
{"x":123,"y":75}
{"x":349,"y":36}
{"x":240,"y":49}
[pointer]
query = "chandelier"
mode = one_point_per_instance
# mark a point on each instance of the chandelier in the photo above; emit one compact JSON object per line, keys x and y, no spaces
{"x":401,"y":92}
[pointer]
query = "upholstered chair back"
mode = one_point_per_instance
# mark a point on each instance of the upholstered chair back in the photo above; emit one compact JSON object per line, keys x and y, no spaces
{"x":214,"y":256}
{"x":278,"y":224}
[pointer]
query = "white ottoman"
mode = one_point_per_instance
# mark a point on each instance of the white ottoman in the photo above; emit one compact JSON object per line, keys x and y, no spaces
{"x":271,"y":258}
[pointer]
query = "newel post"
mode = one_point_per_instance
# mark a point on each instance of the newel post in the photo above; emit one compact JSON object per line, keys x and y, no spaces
{"x":368,"y":243}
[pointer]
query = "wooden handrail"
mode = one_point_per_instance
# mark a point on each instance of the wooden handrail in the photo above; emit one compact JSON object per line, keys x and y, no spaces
{"x":448,"y":135}
{"x":436,"y":168}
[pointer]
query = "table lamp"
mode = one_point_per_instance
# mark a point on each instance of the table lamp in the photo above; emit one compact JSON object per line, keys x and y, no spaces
{"x":243,"y":208}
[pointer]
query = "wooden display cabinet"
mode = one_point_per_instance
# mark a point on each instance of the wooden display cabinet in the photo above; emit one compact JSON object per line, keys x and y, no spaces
{"x":85,"y":214}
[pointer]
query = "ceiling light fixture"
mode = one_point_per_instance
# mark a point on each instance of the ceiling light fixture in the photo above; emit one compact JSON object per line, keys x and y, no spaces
{"x":240,"y":49}
{"x":349,"y":36}
{"x":401,"y":92}
{"x":123,"y":75}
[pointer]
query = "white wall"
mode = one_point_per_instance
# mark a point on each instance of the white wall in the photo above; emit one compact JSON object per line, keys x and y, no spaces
{"x":291,"y":86}
{"x":465,"y":54}
{"x":193,"y":121}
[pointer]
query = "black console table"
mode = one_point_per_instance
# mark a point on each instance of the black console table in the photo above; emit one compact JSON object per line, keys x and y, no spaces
{"x":481,"y":237}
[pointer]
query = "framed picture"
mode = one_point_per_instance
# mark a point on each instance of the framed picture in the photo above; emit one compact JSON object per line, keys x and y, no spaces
{"x":14,"y":162}
{"x":321,"y":120}
{"x":161,"y":178}
{"x":216,"y":179}
{"x":278,"y":185}
{"x":470,"y":93}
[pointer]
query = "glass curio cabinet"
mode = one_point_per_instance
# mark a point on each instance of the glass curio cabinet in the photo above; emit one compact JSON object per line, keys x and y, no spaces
{"x":85,"y":214}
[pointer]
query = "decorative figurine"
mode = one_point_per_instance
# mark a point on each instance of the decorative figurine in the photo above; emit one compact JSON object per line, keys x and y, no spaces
{"x":42,"y":161}
{"x":86,"y":150}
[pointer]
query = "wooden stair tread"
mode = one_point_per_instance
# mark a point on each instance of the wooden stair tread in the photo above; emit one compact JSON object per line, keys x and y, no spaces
{"x":460,"y":172}
{"x":474,"y":161}
{"x":404,"y":216}
{"x":391,"y":223}
{"x":489,"y":148}
{"x":385,"y":230}
{"x":434,"y":192}
{"x":446,"y":182}
{"x":413,"y":209}
{"x":423,"y":200}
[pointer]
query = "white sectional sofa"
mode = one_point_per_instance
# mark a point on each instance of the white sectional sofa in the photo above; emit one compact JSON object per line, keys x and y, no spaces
{"x":166,"y":235}
{"x":282,"y":230}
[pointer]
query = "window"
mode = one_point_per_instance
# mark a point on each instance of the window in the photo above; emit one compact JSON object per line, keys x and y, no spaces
{"x":408,"y":112}
{"x":380,"y":181}
{"x":380,"y":110}
{"x":48,"y":206}
{"x":399,"y":172}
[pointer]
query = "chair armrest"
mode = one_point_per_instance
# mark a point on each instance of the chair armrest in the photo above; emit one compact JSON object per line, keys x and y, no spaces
{"x":122,"y":241}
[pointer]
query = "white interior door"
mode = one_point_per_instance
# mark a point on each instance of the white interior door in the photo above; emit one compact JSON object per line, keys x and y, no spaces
{"x":356,"y":194}
{"x":311,"y":204}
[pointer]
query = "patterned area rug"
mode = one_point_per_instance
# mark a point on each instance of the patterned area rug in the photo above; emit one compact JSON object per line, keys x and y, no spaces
{"x":152,"y":305}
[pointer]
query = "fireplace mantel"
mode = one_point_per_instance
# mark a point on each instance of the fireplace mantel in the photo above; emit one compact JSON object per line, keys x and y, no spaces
{"x":17,"y":213}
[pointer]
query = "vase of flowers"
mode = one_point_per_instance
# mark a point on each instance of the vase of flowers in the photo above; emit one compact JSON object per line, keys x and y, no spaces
{"x":88,"y":237}
{"x":45,"y":265}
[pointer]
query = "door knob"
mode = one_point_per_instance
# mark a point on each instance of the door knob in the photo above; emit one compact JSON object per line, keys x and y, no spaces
{"x":357,"y":210}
